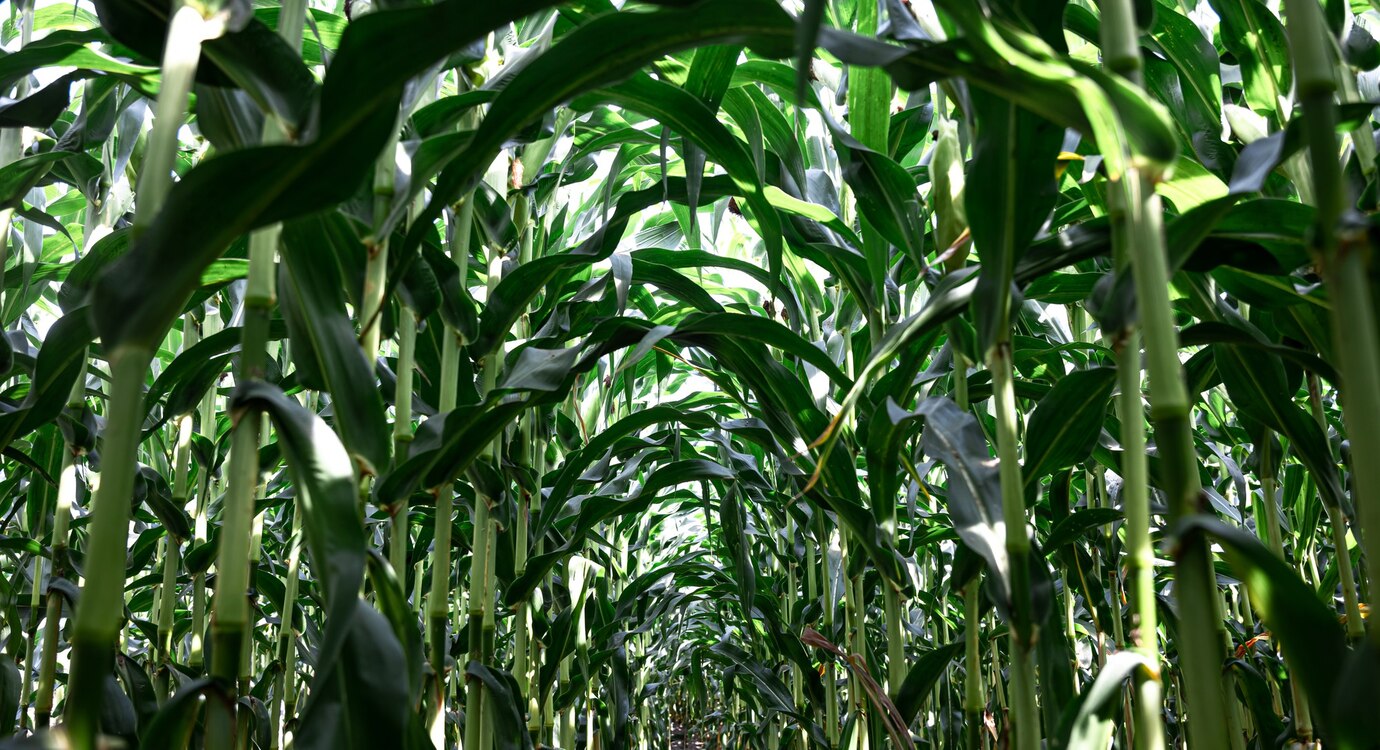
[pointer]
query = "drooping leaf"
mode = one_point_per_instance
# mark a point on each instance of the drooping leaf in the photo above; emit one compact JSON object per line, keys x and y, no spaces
{"x":327,"y":497}
{"x":318,"y":319}
{"x":953,"y":437}
{"x":140,"y":294}
{"x":1306,"y":629}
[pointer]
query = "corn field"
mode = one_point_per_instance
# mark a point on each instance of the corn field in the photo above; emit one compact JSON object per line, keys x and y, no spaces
{"x":604,"y":374}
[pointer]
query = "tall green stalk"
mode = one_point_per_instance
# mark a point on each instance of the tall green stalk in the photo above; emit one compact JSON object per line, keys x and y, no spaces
{"x":285,"y":694}
{"x":797,"y":674}
{"x":210,"y":325}
{"x":256,"y":548}
{"x":1200,"y":632}
{"x":1355,"y":625}
{"x":1140,"y":229}
{"x":526,"y":648}
{"x":1140,"y":554}
{"x":402,"y":435}
{"x":974,"y":701}
{"x":438,"y":603}
{"x":1025,"y":711}
{"x":1268,"y":528}
{"x":239,"y":551}
{"x":27,"y":668}
{"x":62,"y":521}
{"x":522,"y":624}
{"x":376,"y":264}
{"x":478,"y":729}
{"x":182,"y":463}
{"x":1122,"y":55}
{"x":97,"y":622}
{"x":231,"y":602}
{"x":855,"y":635}
{"x":1343,"y":244}
{"x":97,"y":225}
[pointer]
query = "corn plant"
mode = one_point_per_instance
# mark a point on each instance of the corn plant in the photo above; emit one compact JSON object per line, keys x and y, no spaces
{"x":773,"y":374}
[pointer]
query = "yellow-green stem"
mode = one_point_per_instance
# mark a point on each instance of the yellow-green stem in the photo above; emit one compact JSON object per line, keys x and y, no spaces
{"x":1025,"y":711}
{"x":62,"y":519}
{"x":1346,"y":254}
{"x":97,"y":623}
{"x":1200,"y":635}
{"x":402,"y":436}
{"x":973,"y":699}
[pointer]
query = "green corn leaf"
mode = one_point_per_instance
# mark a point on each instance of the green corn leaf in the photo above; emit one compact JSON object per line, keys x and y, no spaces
{"x":922,"y":678}
{"x":141,"y":292}
{"x":953,"y":437}
{"x":328,"y":498}
{"x":331,"y":358}
{"x":1066,"y":422}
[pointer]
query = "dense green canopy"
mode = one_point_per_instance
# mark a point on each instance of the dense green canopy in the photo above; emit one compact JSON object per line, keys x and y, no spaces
{"x":762,"y":373}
